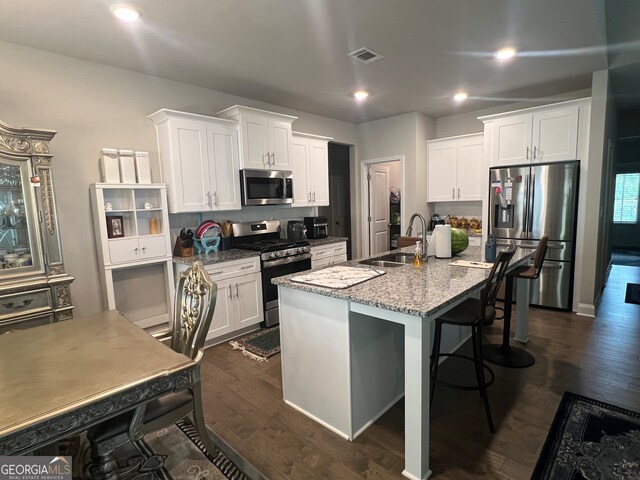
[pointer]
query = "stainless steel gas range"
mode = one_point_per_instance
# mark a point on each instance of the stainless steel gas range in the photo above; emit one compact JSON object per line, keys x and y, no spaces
{"x":278,"y":257}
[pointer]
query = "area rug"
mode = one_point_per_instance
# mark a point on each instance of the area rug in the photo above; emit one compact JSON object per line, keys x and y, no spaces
{"x":633,"y":293}
{"x":173,"y":453}
{"x":259,"y":345}
{"x":628,"y":257}
{"x":590,"y":440}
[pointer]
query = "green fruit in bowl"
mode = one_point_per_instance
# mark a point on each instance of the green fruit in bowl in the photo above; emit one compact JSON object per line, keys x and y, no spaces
{"x":459,"y":240}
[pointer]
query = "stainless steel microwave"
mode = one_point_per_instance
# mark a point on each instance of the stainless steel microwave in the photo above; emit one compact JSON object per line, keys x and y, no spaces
{"x":266,"y":187}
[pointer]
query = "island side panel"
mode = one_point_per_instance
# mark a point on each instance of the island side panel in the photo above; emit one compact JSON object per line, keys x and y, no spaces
{"x":377,"y":368}
{"x":314,"y":335}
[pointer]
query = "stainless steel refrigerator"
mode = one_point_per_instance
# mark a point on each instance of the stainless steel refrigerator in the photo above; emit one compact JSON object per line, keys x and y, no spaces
{"x":528,"y":201}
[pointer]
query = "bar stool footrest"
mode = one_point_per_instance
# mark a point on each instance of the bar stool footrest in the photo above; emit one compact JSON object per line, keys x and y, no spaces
{"x":466,"y":387}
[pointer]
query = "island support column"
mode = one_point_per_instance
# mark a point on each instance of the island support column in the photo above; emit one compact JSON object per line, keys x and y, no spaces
{"x":417,"y":379}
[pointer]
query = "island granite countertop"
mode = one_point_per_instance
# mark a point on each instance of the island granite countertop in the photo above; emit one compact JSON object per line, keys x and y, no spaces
{"x":218,"y":257}
{"x":318,"y":242}
{"x":414,"y":291}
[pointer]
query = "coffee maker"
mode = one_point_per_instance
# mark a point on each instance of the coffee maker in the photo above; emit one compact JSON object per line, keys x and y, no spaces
{"x":436,"y":220}
{"x":296,"y":230}
{"x":316,"y":227}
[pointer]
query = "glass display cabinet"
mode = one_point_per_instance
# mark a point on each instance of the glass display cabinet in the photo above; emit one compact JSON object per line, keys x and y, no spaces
{"x":34,"y":287}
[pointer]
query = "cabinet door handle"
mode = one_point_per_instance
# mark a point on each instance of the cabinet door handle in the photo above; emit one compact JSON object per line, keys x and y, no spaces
{"x":215,"y":198}
{"x":268,"y":162}
{"x":230,"y":292}
{"x":237,"y":291}
{"x":453,"y":194}
{"x":535,"y":152}
{"x":209,"y":198}
{"x":246,"y":267}
{"x":273,"y":156}
{"x":458,"y":192}
{"x":144,"y":249}
{"x":314,"y":197}
{"x":136,"y":250}
{"x":527,"y":155}
{"x":309,"y":197}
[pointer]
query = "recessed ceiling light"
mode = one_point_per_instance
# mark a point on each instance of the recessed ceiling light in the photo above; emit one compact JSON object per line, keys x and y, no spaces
{"x":461,"y":96}
{"x":360,"y":95}
{"x":506,"y":53}
{"x":125,"y":12}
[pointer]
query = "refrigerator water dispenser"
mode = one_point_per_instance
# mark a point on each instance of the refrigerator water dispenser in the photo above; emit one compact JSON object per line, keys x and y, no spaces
{"x":503,"y":217}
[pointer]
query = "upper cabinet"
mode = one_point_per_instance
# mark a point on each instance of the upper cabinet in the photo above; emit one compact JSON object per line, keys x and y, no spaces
{"x":455,"y":169}
{"x":199,"y":160}
{"x":265,"y":137}
{"x":310,"y":167}
{"x":541,"y":134}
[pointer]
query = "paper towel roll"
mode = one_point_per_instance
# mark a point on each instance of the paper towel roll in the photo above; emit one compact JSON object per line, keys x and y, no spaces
{"x":442,"y":241}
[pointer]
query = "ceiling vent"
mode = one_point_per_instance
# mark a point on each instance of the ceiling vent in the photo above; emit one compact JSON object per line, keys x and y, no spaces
{"x":366,"y":55}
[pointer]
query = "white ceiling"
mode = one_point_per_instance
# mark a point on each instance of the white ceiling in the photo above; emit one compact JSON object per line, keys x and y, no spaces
{"x":294,"y":52}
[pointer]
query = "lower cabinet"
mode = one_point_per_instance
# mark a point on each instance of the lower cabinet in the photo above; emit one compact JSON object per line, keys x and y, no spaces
{"x":239,"y":300}
{"x":328,"y":254}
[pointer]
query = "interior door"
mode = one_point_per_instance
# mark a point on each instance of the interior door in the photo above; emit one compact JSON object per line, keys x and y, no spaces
{"x":378,"y":209}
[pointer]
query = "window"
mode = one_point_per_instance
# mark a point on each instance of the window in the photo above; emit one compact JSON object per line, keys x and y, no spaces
{"x":625,"y":206}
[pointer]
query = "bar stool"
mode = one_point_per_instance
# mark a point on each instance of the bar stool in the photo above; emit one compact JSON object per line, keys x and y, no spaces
{"x":504,"y":354}
{"x":475,"y":314}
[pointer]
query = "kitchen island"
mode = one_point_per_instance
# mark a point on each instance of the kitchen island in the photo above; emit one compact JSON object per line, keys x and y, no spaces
{"x":349,"y":354}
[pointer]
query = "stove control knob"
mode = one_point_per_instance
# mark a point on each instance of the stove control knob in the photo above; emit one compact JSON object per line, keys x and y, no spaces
{"x":279,"y":253}
{"x":272,"y":255}
{"x":300,"y":250}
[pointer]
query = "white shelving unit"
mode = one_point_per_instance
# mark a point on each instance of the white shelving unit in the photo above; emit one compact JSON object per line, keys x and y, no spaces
{"x":131,"y":226}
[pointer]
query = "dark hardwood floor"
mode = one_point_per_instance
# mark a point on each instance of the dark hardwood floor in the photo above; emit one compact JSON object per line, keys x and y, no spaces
{"x":593,"y":357}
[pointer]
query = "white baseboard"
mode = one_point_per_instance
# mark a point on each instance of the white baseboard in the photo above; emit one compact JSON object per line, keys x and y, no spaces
{"x":586,"y":310}
{"x":321,"y":422}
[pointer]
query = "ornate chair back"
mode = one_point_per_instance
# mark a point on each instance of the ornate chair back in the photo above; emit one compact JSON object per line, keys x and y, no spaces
{"x":194,"y":303}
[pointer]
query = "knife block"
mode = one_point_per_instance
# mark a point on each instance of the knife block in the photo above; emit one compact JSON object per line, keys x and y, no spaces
{"x":180,"y":251}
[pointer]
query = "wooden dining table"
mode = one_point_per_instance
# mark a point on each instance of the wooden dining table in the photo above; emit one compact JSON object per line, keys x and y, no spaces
{"x":58,"y":380}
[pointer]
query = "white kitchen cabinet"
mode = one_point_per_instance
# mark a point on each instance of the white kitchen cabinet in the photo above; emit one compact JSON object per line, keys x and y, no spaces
{"x":310,"y":169}
{"x":541,"y":134}
{"x":455,"y":169}
{"x":199,"y":160}
{"x":239,"y":298}
{"x":131,"y":227}
{"x":326,"y":255}
{"x":265,"y":137}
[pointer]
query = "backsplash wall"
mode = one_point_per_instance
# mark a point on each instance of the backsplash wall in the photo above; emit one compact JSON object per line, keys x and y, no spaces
{"x":283,"y":213}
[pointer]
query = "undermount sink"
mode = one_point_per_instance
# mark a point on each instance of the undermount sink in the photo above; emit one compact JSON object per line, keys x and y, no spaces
{"x":390,"y":260}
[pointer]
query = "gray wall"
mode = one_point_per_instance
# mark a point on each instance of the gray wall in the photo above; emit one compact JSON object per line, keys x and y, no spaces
{"x":596,"y":245}
{"x":94,"y":106}
{"x":393,"y":137}
{"x":627,"y":161}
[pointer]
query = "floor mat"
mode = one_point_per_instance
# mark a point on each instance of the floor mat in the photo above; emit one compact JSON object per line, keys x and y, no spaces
{"x":633,"y":293}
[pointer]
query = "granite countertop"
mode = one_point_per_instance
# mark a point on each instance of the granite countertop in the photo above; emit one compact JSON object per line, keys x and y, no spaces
{"x":415,"y":291}
{"x":317,"y":242}
{"x":218,"y":257}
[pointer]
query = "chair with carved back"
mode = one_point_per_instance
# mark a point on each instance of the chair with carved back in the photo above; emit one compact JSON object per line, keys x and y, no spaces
{"x":195,"y":302}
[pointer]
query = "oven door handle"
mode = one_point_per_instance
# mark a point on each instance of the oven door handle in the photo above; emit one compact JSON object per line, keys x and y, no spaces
{"x":283,"y":261}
